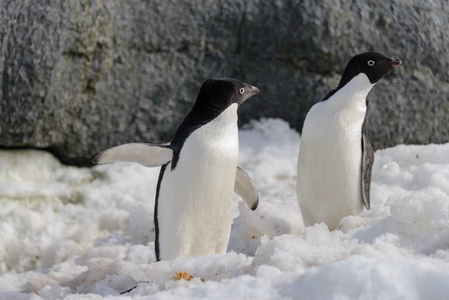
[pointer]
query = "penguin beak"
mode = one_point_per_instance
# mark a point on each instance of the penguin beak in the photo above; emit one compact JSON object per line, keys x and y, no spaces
{"x":395,"y":62}
{"x":254,"y":90}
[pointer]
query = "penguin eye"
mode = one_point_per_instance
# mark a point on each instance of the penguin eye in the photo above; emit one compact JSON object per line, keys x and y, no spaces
{"x":371,"y":63}
{"x":242,"y":90}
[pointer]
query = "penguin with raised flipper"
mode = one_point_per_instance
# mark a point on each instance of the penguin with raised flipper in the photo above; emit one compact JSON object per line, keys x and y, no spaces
{"x":199,"y":173}
{"x":335,"y":156}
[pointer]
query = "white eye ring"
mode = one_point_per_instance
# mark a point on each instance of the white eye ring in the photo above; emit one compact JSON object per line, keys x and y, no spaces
{"x":371,"y":63}
{"x":242,"y":90}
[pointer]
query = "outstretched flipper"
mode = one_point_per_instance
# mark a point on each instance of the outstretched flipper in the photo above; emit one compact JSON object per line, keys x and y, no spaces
{"x":148,"y":155}
{"x":367,"y":164}
{"x":245,"y":188}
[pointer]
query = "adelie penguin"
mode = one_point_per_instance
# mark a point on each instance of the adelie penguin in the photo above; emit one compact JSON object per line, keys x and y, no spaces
{"x":335,"y":157}
{"x":199,"y":173}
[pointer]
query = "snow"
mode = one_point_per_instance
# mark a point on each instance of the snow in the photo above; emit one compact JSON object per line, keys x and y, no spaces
{"x":87,"y":233}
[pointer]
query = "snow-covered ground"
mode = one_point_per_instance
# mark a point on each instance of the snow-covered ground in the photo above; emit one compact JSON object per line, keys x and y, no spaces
{"x":88,"y":233}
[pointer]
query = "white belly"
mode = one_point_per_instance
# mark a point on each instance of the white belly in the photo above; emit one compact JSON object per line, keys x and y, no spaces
{"x":329,"y":161}
{"x":195,"y":199}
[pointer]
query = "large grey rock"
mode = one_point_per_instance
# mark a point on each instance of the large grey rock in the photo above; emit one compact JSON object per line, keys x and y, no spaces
{"x":81,"y":76}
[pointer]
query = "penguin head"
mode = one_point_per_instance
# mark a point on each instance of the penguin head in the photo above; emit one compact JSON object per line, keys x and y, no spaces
{"x":373,"y":64}
{"x":222,"y":92}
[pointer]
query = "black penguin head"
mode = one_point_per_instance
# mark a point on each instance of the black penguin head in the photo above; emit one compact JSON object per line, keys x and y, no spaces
{"x":373,"y":64}
{"x":222,"y":92}
{"x":215,"y":96}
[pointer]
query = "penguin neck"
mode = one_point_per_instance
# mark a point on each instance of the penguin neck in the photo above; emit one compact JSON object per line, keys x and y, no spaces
{"x":352,"y":95}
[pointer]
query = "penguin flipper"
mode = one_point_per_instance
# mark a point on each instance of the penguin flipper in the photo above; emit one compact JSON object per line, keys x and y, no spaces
{"x":148,"y":155}
{"x":367,"y":166}
{"x":245,"y":188}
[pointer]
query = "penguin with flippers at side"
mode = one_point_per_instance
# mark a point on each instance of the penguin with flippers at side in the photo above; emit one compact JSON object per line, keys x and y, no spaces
{"x":199,"y":173}
{"x":335,"y":156}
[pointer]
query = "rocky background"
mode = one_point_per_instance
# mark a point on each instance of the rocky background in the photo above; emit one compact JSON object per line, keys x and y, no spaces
{"x":81,"y":76}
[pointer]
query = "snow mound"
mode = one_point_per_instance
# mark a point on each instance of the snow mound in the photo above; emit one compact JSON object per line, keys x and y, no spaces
{"x":88,"y":233}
